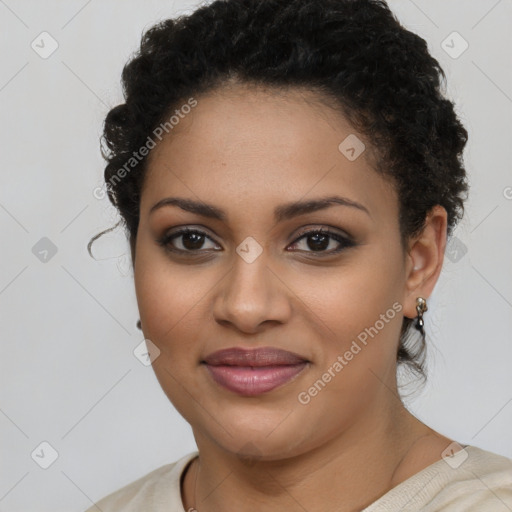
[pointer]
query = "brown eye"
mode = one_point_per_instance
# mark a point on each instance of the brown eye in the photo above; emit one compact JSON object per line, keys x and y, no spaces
{"x":192,"y":240}
{"x":318,"y":240}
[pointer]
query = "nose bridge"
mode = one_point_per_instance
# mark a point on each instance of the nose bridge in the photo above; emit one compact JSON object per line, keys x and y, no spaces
{"x":251,"y":294}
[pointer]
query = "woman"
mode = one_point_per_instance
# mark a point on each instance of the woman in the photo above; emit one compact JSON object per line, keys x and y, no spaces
{"x":288,"y":174}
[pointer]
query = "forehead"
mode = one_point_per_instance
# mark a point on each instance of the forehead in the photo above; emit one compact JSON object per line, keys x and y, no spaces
{"x":246,"y":146}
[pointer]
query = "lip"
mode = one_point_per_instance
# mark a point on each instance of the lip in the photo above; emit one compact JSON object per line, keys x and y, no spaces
{"x":255,"y":371}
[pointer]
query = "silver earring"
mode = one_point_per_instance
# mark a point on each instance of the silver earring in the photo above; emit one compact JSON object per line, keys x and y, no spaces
{"x":421,"y":307}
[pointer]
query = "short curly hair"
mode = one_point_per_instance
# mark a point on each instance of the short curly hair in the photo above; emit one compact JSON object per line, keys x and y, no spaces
{"x":354,"y":53}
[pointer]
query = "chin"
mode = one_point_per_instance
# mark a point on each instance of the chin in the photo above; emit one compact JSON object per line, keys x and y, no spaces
{"x":252,"y":439}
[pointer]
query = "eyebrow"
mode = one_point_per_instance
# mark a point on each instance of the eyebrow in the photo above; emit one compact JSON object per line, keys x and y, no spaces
{"x":281,"y":213}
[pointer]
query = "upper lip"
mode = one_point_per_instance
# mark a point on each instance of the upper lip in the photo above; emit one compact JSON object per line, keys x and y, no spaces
{"x":265,"y":356}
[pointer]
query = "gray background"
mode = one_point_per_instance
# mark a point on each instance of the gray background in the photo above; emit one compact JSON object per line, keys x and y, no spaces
{"x":68,"y":373}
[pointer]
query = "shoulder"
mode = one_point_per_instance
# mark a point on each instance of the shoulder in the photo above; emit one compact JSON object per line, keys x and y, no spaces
{"x":476,"y":464}
{"x":470,"y":480}
{"x":155,"y":491}
{"x":475,"y":480}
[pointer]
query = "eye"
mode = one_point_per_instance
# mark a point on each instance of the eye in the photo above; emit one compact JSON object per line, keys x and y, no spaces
{"x":317,"y":240}
{"x":192,"y":240}
{"x":320,"y":239}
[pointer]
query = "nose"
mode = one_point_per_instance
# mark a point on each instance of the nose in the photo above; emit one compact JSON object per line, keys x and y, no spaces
{"x":251,"y":296}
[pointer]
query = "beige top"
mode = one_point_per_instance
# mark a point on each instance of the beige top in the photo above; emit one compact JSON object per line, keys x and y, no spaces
{"x":472,"y":480}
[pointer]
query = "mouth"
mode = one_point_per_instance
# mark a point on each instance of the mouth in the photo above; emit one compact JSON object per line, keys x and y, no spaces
{"x":253,"y":372}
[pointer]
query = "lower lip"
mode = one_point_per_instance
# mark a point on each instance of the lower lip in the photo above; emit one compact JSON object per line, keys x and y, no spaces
{"x":251,"y":381}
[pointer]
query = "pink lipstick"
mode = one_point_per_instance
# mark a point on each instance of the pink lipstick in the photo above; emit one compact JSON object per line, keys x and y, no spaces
{"x":256,"y":371}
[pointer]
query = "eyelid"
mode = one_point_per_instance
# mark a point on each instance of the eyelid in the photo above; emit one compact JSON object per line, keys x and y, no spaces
{"x":345,"y":241}
{"x":324,"y":228}
{"x":169,"y":236}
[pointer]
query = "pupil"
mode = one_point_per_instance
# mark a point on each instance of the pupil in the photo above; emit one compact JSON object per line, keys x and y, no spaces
{"x":195,"y":244}
{"x":318,"y":244}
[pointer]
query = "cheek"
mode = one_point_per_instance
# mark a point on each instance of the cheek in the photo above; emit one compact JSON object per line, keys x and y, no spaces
{"x":360,"y":306}
{"x":349,"y":298}
{"x":171,"y":310}
{"x":170,"y":299}
{"x":355,"y":309}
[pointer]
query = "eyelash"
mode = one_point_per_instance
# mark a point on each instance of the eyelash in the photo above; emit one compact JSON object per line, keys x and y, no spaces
{"x":344,"y":241}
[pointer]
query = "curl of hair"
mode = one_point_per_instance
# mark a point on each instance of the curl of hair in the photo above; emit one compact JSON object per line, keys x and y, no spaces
{"x":353,"y":52}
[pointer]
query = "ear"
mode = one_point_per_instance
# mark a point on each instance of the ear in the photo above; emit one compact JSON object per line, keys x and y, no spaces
{"x":424,"y":259}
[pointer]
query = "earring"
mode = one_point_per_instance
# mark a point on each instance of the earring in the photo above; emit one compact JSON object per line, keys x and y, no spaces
{"x":139,"y":325}
{"x":421,"y":307}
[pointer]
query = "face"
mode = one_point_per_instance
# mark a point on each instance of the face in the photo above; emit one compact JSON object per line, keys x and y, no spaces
{"x":249,"y":278}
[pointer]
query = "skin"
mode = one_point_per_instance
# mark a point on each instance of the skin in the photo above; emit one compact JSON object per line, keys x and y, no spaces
{"x":247,"y":150}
